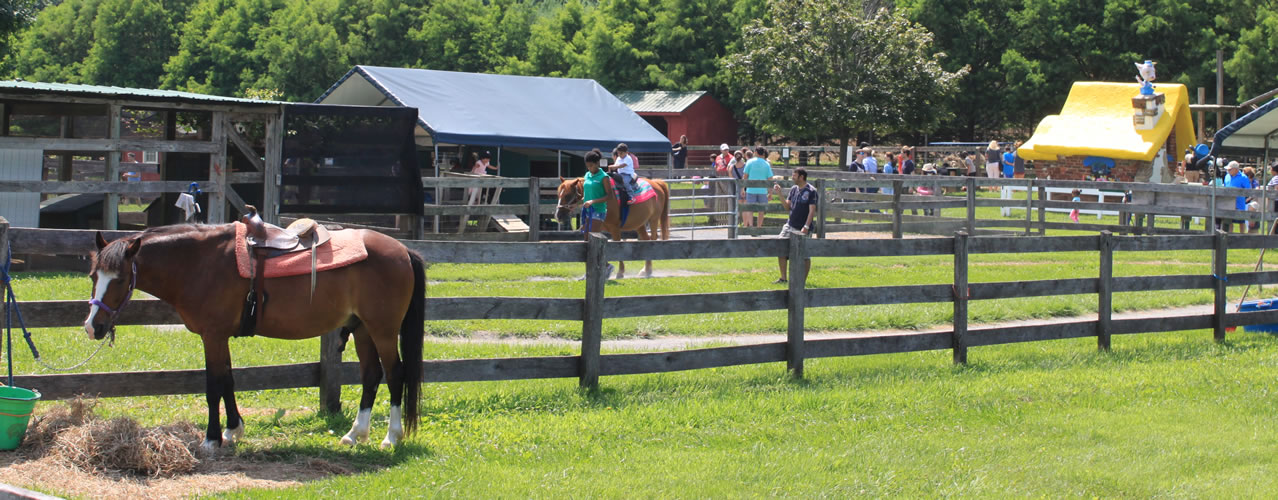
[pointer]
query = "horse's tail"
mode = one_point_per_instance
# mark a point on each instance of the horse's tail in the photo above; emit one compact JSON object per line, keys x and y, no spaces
{"x":411,"y":335}
{"x":664,"y":218}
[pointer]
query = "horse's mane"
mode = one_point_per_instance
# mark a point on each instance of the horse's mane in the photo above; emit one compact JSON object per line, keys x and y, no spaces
{"x":112,"y":256}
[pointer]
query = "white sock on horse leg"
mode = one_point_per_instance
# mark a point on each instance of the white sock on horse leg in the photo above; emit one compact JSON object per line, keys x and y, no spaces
{"x":359,"y":430}
{"x":395,"y":430}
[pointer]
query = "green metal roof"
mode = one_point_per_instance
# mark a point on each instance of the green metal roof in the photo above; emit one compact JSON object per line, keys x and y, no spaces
{"x":123,"y":92}
{"x":659,"y":101}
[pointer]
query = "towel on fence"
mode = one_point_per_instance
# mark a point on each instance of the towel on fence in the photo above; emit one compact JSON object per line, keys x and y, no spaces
{"x":187,"y":203}
{"x":344,"y":247}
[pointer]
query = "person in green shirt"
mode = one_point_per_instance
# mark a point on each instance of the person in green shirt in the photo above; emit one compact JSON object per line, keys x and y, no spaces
{"x":594,"y":204}
{"x":594,"y":207}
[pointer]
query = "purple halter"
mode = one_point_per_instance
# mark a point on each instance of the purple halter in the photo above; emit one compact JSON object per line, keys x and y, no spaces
{"x":112,"y":312}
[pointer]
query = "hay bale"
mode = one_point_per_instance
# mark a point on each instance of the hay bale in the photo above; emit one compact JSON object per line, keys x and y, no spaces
{"x":77,"y":437}
{"x":45,"y":428}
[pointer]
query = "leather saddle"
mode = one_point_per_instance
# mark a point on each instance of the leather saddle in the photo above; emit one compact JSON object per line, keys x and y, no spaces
{"x":302,"y":234}
{"x":267,"y":240}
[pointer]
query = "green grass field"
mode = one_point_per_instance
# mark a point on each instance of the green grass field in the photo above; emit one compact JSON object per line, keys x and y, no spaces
{"x":1169,"y":415}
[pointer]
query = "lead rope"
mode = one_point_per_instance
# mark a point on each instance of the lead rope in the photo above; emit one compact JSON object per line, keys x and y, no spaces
{"x":11,"y":309}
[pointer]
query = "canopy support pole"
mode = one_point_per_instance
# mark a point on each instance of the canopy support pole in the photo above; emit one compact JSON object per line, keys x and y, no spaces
{"x":435,"y":160}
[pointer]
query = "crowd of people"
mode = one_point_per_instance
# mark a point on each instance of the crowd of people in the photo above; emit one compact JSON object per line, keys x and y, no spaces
{"x":1221,"y":172}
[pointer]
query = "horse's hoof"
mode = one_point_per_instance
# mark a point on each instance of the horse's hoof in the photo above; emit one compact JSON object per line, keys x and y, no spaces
{"x":392,"y":438}
{"x":351,"y":438}
{"x":209,"y":447}
{"x":230,"y":436}
{"x":645,"y":274}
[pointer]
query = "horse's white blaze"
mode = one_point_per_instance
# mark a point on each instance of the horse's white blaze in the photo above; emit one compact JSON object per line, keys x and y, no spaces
{"x":396,"y":429}
{"x":359,"y":431}
{"x":104,"y":281}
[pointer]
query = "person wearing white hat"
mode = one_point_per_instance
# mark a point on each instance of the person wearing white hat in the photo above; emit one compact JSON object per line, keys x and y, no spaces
{"x":722,"y":166}
{"x":1235,"y":179}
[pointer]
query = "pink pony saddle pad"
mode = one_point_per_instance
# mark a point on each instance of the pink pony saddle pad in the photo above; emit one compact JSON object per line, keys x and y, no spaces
{"x":644,"y":192}
{"x":344,"y":247}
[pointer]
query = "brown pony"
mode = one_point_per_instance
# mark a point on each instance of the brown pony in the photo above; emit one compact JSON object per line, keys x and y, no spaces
{"x":651,"y":215}
{"x":192,"y":267}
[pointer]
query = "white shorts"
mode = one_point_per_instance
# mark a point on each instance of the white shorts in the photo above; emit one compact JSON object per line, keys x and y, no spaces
{"x":991,"y":170}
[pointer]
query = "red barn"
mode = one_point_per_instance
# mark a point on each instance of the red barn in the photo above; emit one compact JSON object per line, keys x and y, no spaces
{"x":696,"y":114}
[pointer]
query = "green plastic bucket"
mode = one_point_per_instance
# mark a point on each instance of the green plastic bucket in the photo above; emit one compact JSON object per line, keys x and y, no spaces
{"x":16,"y":405}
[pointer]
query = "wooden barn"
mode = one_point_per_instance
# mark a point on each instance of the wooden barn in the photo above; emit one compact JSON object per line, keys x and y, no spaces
{"x":696,"y":114}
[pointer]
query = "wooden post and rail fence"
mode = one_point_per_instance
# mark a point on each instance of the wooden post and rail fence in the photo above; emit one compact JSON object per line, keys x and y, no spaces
{"x":330,"y":373}
{"x":860,"y":202}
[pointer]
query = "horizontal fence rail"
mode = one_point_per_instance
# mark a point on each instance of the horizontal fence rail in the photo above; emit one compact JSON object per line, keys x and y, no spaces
{"x":593,"y":308}
{"x":893,"y":202}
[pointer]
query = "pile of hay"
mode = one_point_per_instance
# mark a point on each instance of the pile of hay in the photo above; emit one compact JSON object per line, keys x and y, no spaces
{"x":74,"y":435}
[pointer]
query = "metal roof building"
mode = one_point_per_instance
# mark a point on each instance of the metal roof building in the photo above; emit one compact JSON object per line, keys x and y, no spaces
{"x":695,"y":114}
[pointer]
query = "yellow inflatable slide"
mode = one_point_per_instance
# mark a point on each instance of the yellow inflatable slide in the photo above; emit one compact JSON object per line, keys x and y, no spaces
{"x":1097,"y":121}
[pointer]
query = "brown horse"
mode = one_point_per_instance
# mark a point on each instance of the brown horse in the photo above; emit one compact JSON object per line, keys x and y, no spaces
{"x":192,"y":267}
{"x":651,"y":215}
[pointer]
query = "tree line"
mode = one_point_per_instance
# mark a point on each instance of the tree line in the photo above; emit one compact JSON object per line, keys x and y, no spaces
{"x":814,"y":70}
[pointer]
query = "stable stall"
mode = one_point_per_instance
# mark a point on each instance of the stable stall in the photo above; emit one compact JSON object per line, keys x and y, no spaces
{"x":226,"y":152}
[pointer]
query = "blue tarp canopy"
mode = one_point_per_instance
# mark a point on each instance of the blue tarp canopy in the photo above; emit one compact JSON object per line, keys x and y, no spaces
{"x":502,"y":110}
{"x":1246,"y":135}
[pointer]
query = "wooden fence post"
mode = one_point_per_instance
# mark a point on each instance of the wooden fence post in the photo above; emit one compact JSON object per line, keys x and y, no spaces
{"x":1105,"y":291}
{"x":1221,"y":273}
{"x":111,"y":201}
{"x":896,"y":209}
{"x":821,"y":203}
{"x":734,"y":219}
{"x":1210,"y":225}
{"x":1042,"y":210}
{"x":971,"y":205}
{"x":1029,"y":208}
{"x":534,"y":209}
{"x":958,"y":337}
{"x":592,"y":311}
{"x":216,"y":211}
{"x":796,"y":300}
{"x":330,"y":383}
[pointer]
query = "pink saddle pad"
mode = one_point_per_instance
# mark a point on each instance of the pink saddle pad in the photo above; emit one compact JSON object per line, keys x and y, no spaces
{"x":344,"y":247}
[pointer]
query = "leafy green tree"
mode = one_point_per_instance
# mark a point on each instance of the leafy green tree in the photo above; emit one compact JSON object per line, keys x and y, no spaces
{"x":457,"y":35}
{"x":54,"y":48}
{"x":15,"y":16}
{"x":611,"y":49}
{"x":689,"y":39}
{"x":301,"y":50}
{"x":131,"y":42}
{"x":550,"y":51}
{"x":218,"y":49}
{"x":975,"y":34}
{"x":375,"y":32}
{"x":1255,"y":60}
{"x":828,"y":68}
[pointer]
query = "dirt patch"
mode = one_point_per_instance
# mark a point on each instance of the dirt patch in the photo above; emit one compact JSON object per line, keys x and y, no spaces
{"x":210,"y":476}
